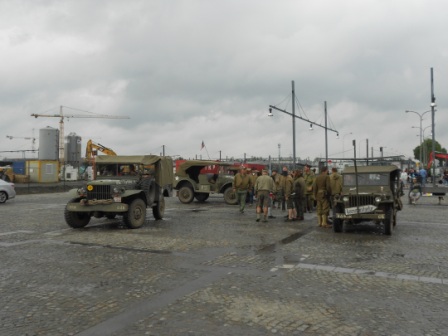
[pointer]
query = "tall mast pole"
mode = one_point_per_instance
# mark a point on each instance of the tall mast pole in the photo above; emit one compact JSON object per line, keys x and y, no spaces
{"x":293,"y":127}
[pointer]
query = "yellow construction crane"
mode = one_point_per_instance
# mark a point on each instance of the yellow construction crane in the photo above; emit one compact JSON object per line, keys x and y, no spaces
{"x":61,"y":122}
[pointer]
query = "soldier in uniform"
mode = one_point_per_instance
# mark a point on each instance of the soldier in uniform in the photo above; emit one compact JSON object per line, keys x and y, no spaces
{"x":299,"y":189}
{"x":264,"y":185}
{"x":289,"y":197}
{"x":253,"y":174}
{"x":322,"y":193}
{"x":309,"y":178}
{"x":336,"y":186}
{"x":335,"y":183}
{"x":276,"y":177}
{"x":241,"y":186}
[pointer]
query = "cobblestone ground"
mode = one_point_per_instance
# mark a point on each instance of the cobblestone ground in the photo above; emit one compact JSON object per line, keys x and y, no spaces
{"x":208,"y":270}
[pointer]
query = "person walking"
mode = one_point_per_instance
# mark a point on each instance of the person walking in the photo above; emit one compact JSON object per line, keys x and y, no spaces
{"x":241,"y":186}
{"x":322,"y":192}
{"x":423,"y":176}
{"x":299,"y":190}
{"x":289,"y":190}
{"x":281,"y":191}
{"x":264,"y":185}
{"x":335,"y":185}
{"x":253,"y":174}
{"x":276,"y":177}
{"x":309,"y":178}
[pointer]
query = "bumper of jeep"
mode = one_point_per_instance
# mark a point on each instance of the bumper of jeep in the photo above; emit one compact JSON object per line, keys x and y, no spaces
{"x":112,"y":207}
{"x":360,"y":216}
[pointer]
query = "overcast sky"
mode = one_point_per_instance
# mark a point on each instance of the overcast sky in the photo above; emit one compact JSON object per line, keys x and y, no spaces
{"x":193,"y":71}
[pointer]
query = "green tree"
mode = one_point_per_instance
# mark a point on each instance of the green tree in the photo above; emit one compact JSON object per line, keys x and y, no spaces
{"x":426,"y":149}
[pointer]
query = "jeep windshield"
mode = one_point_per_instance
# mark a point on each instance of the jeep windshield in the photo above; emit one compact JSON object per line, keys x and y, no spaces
{"x":367,"y":179}
{"x":116,"y":170}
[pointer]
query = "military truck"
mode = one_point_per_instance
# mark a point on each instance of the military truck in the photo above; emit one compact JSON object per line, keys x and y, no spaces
{"x":369,"y":193}
{"x":122,"y":186}
{"x":192,"y":182}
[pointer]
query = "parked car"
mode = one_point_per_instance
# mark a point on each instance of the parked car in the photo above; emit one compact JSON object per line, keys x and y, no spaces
{"x":7,"y":191}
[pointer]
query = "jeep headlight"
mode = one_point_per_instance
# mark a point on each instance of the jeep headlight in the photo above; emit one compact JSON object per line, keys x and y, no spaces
{"x":378,"y":199}
{"x":345,"y":198}
{"x":118,"y":190}
{"x":82,"y":191}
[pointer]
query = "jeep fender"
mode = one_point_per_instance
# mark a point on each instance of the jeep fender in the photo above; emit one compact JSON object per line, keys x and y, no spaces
{"x":224,"y":187}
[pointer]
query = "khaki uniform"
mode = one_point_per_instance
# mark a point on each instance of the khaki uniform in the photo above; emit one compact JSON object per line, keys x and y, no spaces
{"x":289,"y":189}
{"x":299,"y":188}
{"x":263,"y":186}
{"x":242,"y":185}
{"x":335,"y":183}
{"x":322,"y":193}
{"x":309,"y":178}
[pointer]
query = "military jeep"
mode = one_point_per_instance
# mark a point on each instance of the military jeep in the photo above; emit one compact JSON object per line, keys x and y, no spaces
{"x":122,"y":186}
{"x":192,"y":182}
{"x":369,"y":193}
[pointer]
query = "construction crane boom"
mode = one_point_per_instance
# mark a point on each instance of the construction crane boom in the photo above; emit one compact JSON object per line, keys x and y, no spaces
{"x":33,"y":140}
{"x":61,"y":117}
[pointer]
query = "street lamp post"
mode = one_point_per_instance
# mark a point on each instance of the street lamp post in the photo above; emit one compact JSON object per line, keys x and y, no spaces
{"x":343,"y":139}
{"x":420,"y":115}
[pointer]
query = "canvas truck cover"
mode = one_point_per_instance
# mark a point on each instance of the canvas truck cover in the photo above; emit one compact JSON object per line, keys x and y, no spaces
{"x":164,"y":173}
{"x":193,"y":167}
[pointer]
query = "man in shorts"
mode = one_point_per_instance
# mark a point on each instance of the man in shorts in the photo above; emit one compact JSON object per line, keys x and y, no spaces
{"x":264,"y":185}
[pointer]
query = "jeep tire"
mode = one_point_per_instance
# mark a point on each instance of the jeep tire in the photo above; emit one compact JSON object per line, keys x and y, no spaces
{"x":76,"y":220}
{"x":135,"y":217}
{"x":338,"y":223}
{"x":230,"y":196}
{"x":201,"y":197}
{"x":158,"y":210}
{"x":186,"y":194}
{"x":388,"y":222}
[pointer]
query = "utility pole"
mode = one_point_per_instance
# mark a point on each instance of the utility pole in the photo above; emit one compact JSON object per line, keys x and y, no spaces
{"x":293,"y":126}
{"x":326,"y":135}
{"x":433,"y":104}
{"x":367,"y":151}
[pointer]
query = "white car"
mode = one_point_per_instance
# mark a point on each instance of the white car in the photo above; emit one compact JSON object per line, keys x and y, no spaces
{"x":7,"y":191}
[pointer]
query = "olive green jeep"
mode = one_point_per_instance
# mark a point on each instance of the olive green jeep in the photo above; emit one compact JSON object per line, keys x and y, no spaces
{"x":190,"y":183}
{"x":369,"y":193}
{"x":122,"y":186}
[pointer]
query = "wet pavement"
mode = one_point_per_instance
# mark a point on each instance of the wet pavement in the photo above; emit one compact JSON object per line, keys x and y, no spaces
{"x":206,"y":269}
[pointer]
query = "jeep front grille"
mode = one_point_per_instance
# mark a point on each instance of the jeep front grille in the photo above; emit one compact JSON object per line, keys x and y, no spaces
{"x":99,"y":192}
{"x":361,"y":200}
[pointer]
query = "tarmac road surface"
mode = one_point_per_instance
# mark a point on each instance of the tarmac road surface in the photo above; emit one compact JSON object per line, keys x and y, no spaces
{"x":206,"y":269}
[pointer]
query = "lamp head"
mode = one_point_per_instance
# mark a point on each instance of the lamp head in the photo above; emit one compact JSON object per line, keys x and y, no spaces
{"x":337,"y":135}
{"x":270,"y":113}
{"x":311,"y":127}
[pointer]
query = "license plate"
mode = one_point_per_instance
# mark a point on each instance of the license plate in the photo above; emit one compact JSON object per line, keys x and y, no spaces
{"x":362,"y":209}
{"x":117,"y":199}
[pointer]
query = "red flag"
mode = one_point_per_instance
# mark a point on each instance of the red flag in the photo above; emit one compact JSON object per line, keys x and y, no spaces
{"x":202,"y":145}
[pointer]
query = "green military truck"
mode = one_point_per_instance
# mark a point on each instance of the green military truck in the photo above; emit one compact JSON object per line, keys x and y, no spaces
{"x":190,"y":183}
{"x":122,"y":186}
{"x":369,"y":193}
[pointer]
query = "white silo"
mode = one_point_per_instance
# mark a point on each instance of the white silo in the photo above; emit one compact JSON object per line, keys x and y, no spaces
{"x":48,"y":143}
{"x":73,"y":150}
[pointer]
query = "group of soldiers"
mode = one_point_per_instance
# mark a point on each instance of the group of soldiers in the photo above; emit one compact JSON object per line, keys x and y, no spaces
{"x":296,"y":191}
